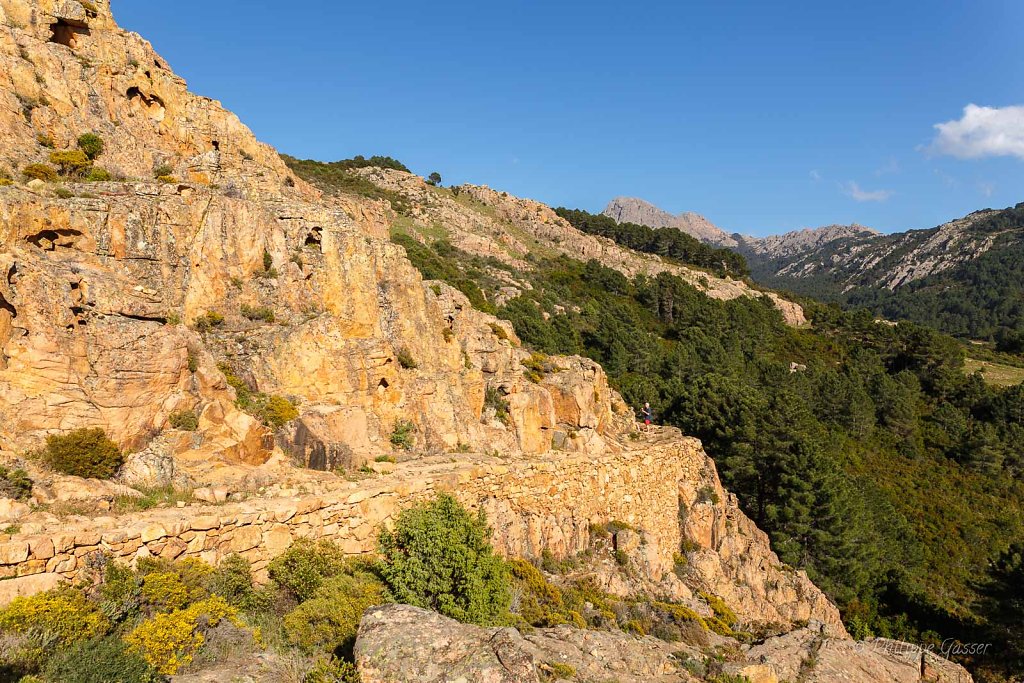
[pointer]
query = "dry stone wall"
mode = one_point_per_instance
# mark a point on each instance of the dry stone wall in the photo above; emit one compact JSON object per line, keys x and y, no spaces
{"x":532,"y":504}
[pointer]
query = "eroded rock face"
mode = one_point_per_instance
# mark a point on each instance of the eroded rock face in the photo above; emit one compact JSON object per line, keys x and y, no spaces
{"x":99,"y":294}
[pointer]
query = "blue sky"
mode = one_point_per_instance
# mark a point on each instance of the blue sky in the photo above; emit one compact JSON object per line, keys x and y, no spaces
{"x":763,"y":116}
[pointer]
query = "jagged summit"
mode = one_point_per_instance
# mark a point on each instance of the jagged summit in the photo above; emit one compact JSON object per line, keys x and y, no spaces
{"x":797,"y":241}
{"x":634,"y":210}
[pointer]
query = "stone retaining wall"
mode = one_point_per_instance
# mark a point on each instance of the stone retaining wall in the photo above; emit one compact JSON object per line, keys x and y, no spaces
{"x":532,"y":504}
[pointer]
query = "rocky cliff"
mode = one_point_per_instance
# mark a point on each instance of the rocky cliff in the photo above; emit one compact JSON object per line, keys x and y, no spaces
{"x":198,"y":275}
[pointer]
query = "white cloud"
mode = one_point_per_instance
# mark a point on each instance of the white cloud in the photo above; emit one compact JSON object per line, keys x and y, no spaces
{"x":815,"y":176}
{"x":982,"y":132}
{"x":853,"y":189}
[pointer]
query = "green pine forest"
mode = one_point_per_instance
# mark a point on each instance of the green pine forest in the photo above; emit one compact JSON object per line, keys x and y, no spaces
{"x":894,"y":478}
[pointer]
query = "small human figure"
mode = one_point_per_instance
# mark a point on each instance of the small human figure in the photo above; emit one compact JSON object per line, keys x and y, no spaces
{"x":647,"y":416}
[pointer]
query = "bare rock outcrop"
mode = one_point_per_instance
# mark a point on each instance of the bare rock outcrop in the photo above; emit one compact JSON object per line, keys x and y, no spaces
{"x":402,"y":643}
{"x":633,"y":210}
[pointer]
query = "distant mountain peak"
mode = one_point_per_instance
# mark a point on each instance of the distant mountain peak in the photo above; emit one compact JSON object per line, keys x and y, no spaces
{"x":642,"y":212}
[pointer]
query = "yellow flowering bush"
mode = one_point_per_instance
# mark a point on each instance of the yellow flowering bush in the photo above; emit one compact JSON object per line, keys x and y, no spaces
{"x":170,"y":641}
{"x":165,"y":591}
{"x":63,"y":615}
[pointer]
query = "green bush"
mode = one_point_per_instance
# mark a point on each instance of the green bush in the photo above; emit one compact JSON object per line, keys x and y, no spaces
{"x":499,"y":331}
{"x":329,"y":620}
{"x":185,"y":420}
{"x":493,"y":398}
{"x":405,"y":358}
{"x":70,"y":162}
{"x":264,"y":313}
{"x":83,"y":453}
{"x":303,"y":567}
{"x":273,"y":411}
{"x":98,"y":174}
{"x":439,"y":557}
{"x":120,"y":593}
{"x":332,"y":670}
{"x":91,"y":145}
{"x":162,"y":171}
{"x":540,"y":602}
{"x":402,"y":435}
{"x":560,"y":670}
{"x":47,"y":174}
{"x":15,"y":483}
{"x":106,"y":660}
{"x":232,"y":580}
{"x":208,"y":321}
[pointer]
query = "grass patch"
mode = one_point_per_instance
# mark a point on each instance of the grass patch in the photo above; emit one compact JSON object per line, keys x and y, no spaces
{"x":996,"y":374}
{"x":161,"y":496}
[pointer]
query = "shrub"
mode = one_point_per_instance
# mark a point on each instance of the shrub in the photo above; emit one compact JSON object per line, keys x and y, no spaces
{"x":47,"y":174}
{"x":165,"y":591}
{"x":722,"y":611}
{"x":91,"y":145}
{"x":493,"y":398}
{"x":70,"y":162}
{"x":64,"y":193}
{"x":120,"y":594}
{"x":232,"y":580}
{"x":537,"y":367}
{"x":83,"y":453}
{"x":170,"y":640}
{"x":540,"y":603}
{"x":707,"y":494}
{"x":167,"y":179}
{"x":439,"y":557}
{"x":268,"y":261}
{"x":273,"y":411}
{"x":45,"y":140}
{"x":332,"y":670}
{"x":328,"y":621}
{"x":106,"y":660}
{"x":162,"y":171}
{"x":15,"y":484}
{"x":264,"y":313}
{"x":208,"y":321}
{"x":303,"y":567}
{"x":499,"y":331}
{"x":277,"y":411}
{"x":560,"y":670}
{"x":185,"y":420}
{"x":59,"y":616}
{"x":402,"y":435}
{"x":98,"y":174}
{"x":405,"y":358}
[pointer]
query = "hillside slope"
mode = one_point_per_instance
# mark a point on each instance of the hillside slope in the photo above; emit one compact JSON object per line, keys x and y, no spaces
{"x":274,"y":367}
{"x":962,"y":277}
